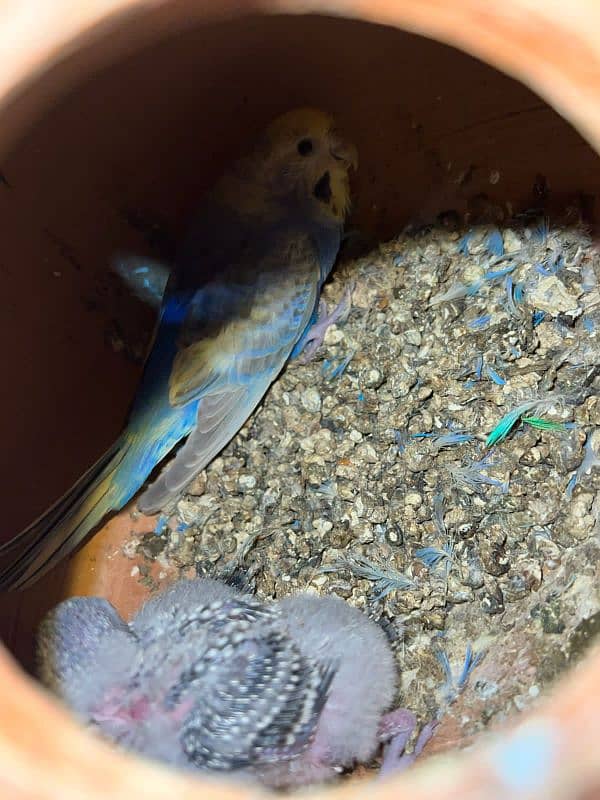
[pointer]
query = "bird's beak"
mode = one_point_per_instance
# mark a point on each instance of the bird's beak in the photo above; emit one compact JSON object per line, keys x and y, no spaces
{"x":346,"y":152}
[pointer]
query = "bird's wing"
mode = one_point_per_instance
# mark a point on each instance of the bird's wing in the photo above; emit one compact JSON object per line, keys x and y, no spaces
{"x":261,"y":699}
{"x":238,"y":333}
{"x":239,"y":329}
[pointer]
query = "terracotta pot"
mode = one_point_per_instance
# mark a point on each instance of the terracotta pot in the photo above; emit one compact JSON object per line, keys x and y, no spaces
{"x":112,"y":107}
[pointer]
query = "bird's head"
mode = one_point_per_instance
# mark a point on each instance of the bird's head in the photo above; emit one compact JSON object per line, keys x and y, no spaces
{"x":299,"y":159}
{"x":305,"y":157}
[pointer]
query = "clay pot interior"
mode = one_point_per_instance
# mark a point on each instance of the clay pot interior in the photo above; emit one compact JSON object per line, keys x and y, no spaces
{"x":118,"y":162}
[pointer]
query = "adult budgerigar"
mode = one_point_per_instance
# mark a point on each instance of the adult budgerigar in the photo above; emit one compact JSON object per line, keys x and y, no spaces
{"x":240,"y":301}
{"x":206,"y":678}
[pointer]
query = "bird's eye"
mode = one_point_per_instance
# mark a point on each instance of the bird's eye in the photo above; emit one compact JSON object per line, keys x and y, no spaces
{"x":305,"y":147}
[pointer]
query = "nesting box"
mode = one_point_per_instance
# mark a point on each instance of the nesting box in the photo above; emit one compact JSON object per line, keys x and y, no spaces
{"x":116,"y":119}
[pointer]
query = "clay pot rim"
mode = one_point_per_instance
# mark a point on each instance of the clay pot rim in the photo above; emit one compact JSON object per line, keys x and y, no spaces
{"x":517,"y":37}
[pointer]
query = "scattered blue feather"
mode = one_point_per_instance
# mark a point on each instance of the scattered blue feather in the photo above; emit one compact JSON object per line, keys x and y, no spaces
{"x":360,"y":397}
{"x":510,"y":297}
{"x":161,"y":524}
{"x":478,"y":367}
{"x":493,"y":375}
{"x":519,"y":292}
{"x":386,"y":579}
{"x":332,"y":370}
{"x":542,"y":270}
{"x":451,"y":439}
{"x":444,"y":662}
{"x":456,"y":292}
{"x":419,"y":435}
{"x":438,"y":513}
{"x":571,"y":485}
{"x":327,"y":489}
{"x":541,"y":230}
{"x":182,"y":526}
{"x":463,"y":244}
{"x":492,"y":274}
{"x":553,"y":263}
{"x":474,"y":478}
{"x":472,"y":659}
{"x":589,"y":324}
{"x":480,"y":322}
{"x":341,"y":367}
{"x":470,"y":384}
{"x":495,"y":243}
{"x":432,"y":557}
{"x":590,"y":460}
{"x":486,"y":460}
{"x":454,"y":686}
{"x":401,"y":439}
{"x":538,"y":317}
{"x":473,"y":288}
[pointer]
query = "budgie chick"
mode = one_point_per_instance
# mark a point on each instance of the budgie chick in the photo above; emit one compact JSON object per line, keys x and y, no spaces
{"x":239,"y":302}
{"x":207,"y":678}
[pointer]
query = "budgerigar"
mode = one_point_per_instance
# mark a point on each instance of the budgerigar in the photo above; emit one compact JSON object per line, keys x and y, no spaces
{"x":206,"y":678}
{"x":239,"y":302}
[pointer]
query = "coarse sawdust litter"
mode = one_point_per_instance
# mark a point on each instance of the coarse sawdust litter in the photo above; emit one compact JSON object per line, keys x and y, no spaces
{"x":434,"y":465}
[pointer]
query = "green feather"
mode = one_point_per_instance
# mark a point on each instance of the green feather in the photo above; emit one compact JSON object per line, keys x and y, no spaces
{"x":544,"y":424}
{"x":504,"y":427}
{"x":508,"y":421}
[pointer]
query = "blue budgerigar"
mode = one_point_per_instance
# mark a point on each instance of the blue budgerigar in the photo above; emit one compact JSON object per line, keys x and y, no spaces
{"x":239,"y":302}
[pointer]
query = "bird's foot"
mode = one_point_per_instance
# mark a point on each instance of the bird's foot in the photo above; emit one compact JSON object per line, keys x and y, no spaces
{"x":316,"y":335}
{"x":396,"y":728}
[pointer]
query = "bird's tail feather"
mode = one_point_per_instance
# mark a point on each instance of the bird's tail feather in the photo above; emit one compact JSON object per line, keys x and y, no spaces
{"x":58,"y":531}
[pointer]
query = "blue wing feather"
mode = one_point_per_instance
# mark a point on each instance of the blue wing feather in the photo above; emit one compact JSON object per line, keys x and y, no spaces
{"x":219,"y":343}
{"x":246,"y":338}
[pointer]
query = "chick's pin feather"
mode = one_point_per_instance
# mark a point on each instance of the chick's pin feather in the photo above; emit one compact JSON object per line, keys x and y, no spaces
{"x":206,"y":678}
{"x":239,"y":302}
